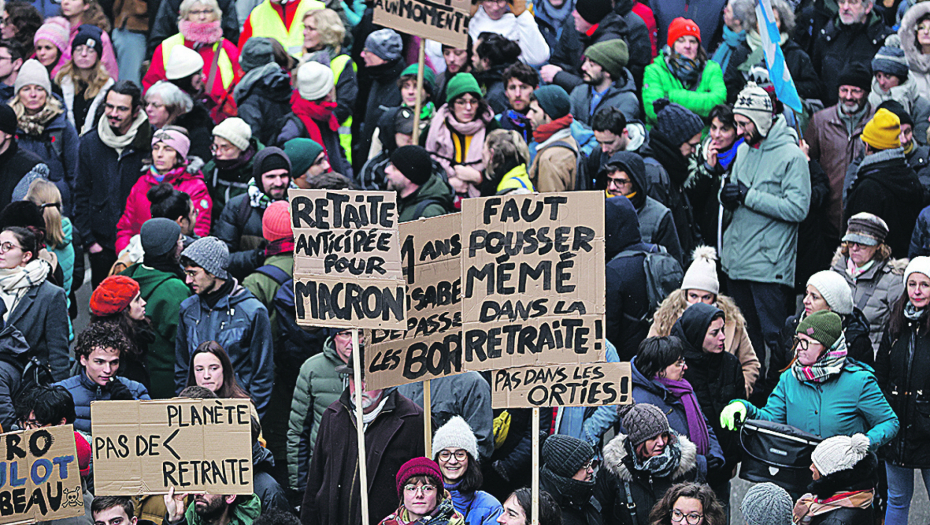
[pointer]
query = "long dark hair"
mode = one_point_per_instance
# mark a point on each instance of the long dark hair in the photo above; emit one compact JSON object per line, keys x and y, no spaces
{"x":661,"y":514}
{"x":230,"y":388}
{"x":135,"y":330}
{"x":897,"y":321}
{"x":472,"y":479}
{"x":30,"y":238}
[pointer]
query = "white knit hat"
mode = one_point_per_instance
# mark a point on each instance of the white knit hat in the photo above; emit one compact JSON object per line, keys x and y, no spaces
{"x":32,"y":73}
{"x":314,"y":81}
{"x":455,"y":434}
{"x":840,"y":453}
{"x":235,"y":130}
{"x":917,"y":265}
{"x":183,"y":63}
{"x":702,"y":274}
{"x":834,"y":289}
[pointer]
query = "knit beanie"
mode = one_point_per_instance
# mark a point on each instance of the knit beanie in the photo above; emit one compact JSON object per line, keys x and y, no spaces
{"x":56,"y":30}
{"x":677,"y":123}
{"x":276,"y":222}
{"x":429,"y":78}
{"x":565,"y":455}
{"x":414,"y":162}
{"x":266,"y":160}
{"x":32,"y":73}
{"x":159,"y":236}
{"x":7,"y":119}
{"x":174,"y":139}
{"x":834,"y":289}
{"x":865,"y":228}
{"x":895,"y":107}
{"x":209,"y":253}
{"x":612,"y":55}
{"x":890,"y":60}
{"x":455,"y":434}
{"x":767,"y":504}
{"x":823,"y":326}
{"x":553,"y":100}
{"x":702,"y":274}
{"x":90,"y":36}
{"x":682,"y":27}
{"x":417,"y":467}
{"x":314,"y":81}
{"x":857,"y":75}
{"x":303,"y":153}
{"x":839,"y":453}
{"x":754,"y":103}
{"x":235,"y":130}
{"x":461,"y":84}
{"x":593,"y":11}
{"x":256,"y":52}
{"x":883,"y":131}
{"x":642,"y":422}
{"x":183,"y":63}
{"x":917,"y":265}
{"x":385,"y":43}
{"x":113,"y":295}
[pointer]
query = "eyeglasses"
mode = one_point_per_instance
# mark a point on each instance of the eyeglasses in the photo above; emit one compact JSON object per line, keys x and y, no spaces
{"x":7,"y":246}
{"x":200,"y":12}
{"x":692,"y":518}
{"x":30,"y":424}
{"x":427,"y":490}
{"x":225,"y":148}
{"x":460,"y":455}
{"x":465,"y":102}
{"x":619,"y":182}
{"x":591,"y":465}
{"x":804,"y":344}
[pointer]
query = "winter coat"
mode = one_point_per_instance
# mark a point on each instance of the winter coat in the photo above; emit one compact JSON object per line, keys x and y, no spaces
{"x":18,"y":168}
{"x":510,"y":465}
{"x":918,"y":62}
{"x":245,"y":512}
{"x":855,"y":330}
{"x":294,"y":127}
{"x":861,"y":476}
{"x":817,"y":235}
{"x":799,"y":65}
{"x":65,"y":254}
{"x":239,"y":323}
{"x":874,"y":291}
{"x":839,"y":45}
{"x":478,"y":508}
{"x":835,"y":149}
{"x":520,"y":29}
{"x":886,"y":186}
{"x":664,"y":160}
{"x":104,"y":181}
{"x":760,"y":244}
{"x":618,"y":484}
{"x":901,"y":370}
{"x":163,"y":293}
{"x":660,"y":184}
{"x":264,"y":287}
{"x":436,"y":192}
{"x":269,"y":491}
{"x":263,"y":97}
{"x":230,"y":182}
{"x":915,"y":104}
{"x":660,"y":82}
{"x":555,"y":166}
{"x":492,"y":85}
{"x":42,"y":317}
{"x":13,"y":354}
{"x":240,"y":227}
{"x":199,"y":126}
{"x":318,"y":387}
{"x":57,"y":146}
{"x":139,"y":209}
{"x":67,"y":92}
{"x":920,"y":238}
{"x":84,"y":391}
{"x":621,"y":95}
{"x":384,"y":93}
{"x":394,"y":437}
{"x":702,"y":187}
{"x":165,"y":22}
{"x":569,"y":52}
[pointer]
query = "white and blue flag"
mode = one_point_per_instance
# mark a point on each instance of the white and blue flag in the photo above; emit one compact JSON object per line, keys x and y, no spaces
{"x":774,"y":57}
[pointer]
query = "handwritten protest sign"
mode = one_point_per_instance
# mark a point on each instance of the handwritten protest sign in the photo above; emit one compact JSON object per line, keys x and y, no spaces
{"x":40,"y":479}
{"x":444,"y":21}
{"x":533,"y":280}
{"x":347,"y":270}
{"x":562,"y":385}
{"x":194,"y":445}
{"x":431,"y":346}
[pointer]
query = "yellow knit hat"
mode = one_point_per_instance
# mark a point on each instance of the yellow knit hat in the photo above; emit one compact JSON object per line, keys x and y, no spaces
{"x":883,"y":131}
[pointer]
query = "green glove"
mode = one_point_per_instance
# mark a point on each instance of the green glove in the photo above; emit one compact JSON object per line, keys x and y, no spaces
{"x":729,"y":413}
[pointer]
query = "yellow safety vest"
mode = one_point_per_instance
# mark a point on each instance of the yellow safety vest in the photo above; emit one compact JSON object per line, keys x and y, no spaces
{"x":266,"y":22}
{"x":338,"y":65}
{"x":224,"y":65}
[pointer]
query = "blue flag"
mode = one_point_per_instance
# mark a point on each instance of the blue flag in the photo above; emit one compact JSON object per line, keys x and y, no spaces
{"x":774,"y":57}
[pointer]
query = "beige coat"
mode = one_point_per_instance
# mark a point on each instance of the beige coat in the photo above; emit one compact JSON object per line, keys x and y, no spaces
{"x":554,"y":167}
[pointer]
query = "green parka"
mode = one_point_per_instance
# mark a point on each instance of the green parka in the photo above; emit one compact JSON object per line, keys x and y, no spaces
{"x":659,"y":82}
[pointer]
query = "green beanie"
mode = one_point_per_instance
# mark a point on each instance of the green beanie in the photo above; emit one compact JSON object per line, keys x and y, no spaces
{"x":612,"y":55}
{"x":429,"y":78}
{"x":553,"y":100}
{"x":823,"y":326}
{"x":460,"y":84}
{"x":303,"y":153}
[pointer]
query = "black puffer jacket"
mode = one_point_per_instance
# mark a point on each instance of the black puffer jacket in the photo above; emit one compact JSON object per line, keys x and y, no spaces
{"x":382,"y":92}
{"x":240,"y":227}
{"x":263,"y":97}
{"x":669,"y":156}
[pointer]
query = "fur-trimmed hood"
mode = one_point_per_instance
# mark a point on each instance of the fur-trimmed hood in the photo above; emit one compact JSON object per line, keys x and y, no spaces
{"x":916,"y":61}
{"x":615,"y":452}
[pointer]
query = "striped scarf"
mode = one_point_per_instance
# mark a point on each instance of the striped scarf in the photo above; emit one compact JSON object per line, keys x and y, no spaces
{"x":829,"y":364}
{"x":809,"y":506}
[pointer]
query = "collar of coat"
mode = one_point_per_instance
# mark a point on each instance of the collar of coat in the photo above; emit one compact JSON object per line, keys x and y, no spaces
{"x":615,"y":454}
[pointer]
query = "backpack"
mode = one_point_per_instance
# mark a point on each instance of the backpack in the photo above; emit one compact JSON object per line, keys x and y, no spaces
{"x":33,"y":373}
{"x":583,"y":179}
{"x":663,"y":276}
{"x":421,"y":207}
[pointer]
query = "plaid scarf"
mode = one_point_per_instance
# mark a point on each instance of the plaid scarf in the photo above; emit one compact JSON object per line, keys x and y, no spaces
{"x":809,"y":506}
{"x":829,"y":364}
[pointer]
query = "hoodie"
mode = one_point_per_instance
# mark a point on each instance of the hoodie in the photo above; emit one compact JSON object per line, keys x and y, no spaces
{"x":263,"y":97}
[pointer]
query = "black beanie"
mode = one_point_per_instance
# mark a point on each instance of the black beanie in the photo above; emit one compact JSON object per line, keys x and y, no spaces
{"x":414,"y":162}
{"x":857,"y":75}
{"x":7,"y":120}
{"x":267,"y":160}
{"x":593,"y":11}
{"x":891,"y":105}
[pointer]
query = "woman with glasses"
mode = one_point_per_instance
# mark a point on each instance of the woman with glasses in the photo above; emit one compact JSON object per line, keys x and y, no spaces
{"x":166,"y":105}
{"x":914,"y":33}
{"x":80,"y":12}
{"x":455,"y":449}
{"x":422,"y":496}
{"x":83,"y":79}
{"x":688,"y":503}
{"x":228,"y":171}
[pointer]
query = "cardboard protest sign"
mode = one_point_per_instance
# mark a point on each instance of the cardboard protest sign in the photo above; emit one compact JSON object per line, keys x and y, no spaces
{"x":533,"y":280}
{"x":445,"y":21}
{"x":562,"y":385}
{"x":347,"y":270}
{"x":431,"y":346}
{"x":194,"y":445}
{"x":40,"y":479}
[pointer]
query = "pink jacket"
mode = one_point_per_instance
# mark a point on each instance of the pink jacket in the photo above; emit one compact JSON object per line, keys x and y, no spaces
{"x":188,"y":179}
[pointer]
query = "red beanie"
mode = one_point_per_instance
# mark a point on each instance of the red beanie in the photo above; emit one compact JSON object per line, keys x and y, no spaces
{"x":83,"y":453}
{"x":417,"y":467}
{"x":113,"y":295}
{"x":682,"y":27}
{"x":276,"y":222}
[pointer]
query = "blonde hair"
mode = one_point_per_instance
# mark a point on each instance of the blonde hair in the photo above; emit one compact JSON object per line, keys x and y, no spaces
{"x":506,"y":144}
{"x":45,"y":194}
{"x":187,"y":5}
{"x":329,"y":25}
{"x":883,"y":253}
{"x":93,"y":79}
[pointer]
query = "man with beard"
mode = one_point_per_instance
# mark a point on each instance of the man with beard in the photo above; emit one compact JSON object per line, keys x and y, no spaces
{"x":421,"y":192}
{"x":211,"y":509}
{"x":769,"y":192}
{"x":11,"y":59}
{"x":110,"y":160}
{"x":224,"y":311}
{"x":394,"y":435}
{"x":520,"y":80}
{"x":607,"y":82}
{"x":554,"y":167}
{"x":833,"y":135}
{"x":240,"y":224}
{"x":161,"y":285}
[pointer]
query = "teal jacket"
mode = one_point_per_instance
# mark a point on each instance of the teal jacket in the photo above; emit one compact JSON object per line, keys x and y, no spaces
{"x":844,"y":405}
{"x":659,"y":82}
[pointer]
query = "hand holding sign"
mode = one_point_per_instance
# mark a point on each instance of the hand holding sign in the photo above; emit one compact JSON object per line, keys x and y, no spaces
{"x":175,"y":505}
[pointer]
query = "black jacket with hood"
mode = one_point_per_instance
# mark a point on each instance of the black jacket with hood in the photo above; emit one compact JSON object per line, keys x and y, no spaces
{"x":570,"y":51}
{"x":372,"y":177}
{"x":839,"y":45}
{"x":676,"y":166}
{"x":383,"y":92}
{"x":263,"y":97}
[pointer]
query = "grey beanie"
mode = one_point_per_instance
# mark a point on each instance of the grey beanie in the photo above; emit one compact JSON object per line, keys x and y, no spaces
{"x":834,"y":289}
{"x":890,"y":60}
{"x":565,"y":455}
{"x":643,"y":422}
{"x":766,"y":504}
{"x":32,"y":72}
{"x":256,"y":52}
{"x":455,"y":434}
{"x":159,"y":236}
{"x":211,"y":254}
{"x":676,"y":122}
{"x":385,"y":43}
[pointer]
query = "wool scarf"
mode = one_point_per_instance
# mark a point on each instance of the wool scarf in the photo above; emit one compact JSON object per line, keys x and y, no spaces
{"x":315,"y":114}
{"x":120,"y":142}
{"x":731,"y":41}
{"x":687,"y":71}
{"x":697,"y":427}
{"x":34,"y":125}
{"x":258,"y":198}
{"x":726,"y":158}
{"x":545,"y":132}
{"x":201,"y":32}
{"x":855,"y":271}
{"x":809,"y":506}
{"x":441,"y":146}
{"x":661,"y":466}
{"x":911,"y":312}
{"x":15,"y":282}
{"x":830,"y":364}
